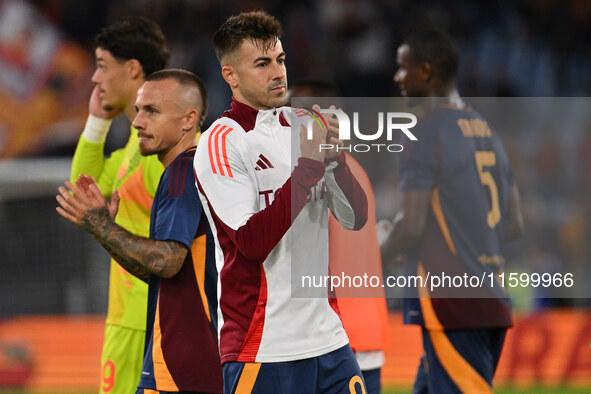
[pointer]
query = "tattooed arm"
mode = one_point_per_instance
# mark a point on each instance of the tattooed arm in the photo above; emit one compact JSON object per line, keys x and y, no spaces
{"x":85,"y":206}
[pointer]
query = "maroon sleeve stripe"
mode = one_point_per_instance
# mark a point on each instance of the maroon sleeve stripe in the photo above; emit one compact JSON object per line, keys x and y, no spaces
{"x":247,"y":294}
{"x":254,"y":335}
{"x":263,"y":230}
{"x":177,"y":176}
{"x":186,"y":163}
{"x":173,"y":179}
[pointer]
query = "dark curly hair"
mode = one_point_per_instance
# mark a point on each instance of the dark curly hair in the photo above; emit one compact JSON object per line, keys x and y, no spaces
{"x":257,"y":26}
{"x":137,"y":38}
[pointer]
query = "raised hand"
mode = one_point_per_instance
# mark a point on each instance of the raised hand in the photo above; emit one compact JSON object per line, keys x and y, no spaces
{"x":84,"y":205}
{"x":332,"y":135}
{"x":311,"y":147}
{"x":114,"y":204}
{"x":85,"y":181}
{"x":95,"y":106}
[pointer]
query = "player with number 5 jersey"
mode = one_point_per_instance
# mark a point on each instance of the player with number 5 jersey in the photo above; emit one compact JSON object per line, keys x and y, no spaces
{"x":460,"y":204}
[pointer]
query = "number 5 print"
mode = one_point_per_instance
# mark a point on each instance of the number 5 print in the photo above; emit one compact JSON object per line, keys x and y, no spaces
{"x":488,"y":159}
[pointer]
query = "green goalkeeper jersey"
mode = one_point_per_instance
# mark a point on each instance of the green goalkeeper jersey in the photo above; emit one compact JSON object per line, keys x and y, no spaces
{"x":136,"y":177}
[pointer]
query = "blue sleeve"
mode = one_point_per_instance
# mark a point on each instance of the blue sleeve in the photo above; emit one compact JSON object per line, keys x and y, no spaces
{"x":419,"y":161}
{"x":503,"y":160}
{"x":178,"y":206}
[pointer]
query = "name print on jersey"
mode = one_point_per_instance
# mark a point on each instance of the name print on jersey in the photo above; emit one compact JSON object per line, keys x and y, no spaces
{"x":315,"y":193}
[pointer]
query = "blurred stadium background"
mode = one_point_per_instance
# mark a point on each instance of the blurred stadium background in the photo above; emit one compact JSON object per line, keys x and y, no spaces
{"x":53,"y":277}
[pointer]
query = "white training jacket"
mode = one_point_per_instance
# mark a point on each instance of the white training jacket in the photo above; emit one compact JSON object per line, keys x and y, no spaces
{"x":269,"y":219}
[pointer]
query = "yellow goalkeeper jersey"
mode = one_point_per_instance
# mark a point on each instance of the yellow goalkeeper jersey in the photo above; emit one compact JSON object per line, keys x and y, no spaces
{"x":136,"y":177}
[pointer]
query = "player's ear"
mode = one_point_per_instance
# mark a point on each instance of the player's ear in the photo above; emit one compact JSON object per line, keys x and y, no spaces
{"x":190,"y":119}
{"x":426,"y":71}
{"x":134,"y":68}
{"x":230,"y":76}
